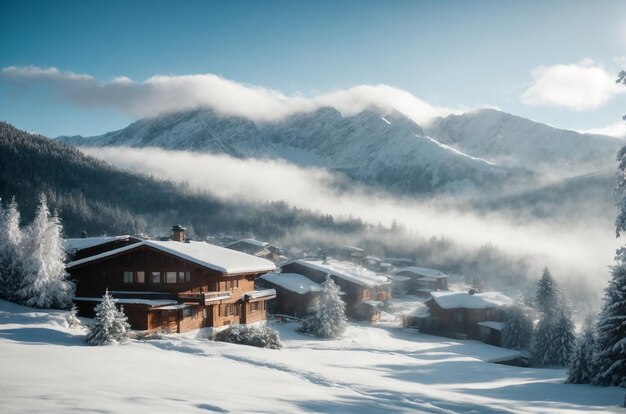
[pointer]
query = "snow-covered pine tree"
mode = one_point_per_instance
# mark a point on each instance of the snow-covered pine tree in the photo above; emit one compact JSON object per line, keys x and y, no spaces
{"x":71,"y":317}
{"x":564,"y":332}
{"x":518,"y":331}
{"x":110,"y":325}
{"x":581,"y":366}
{"x":10,"y":253}
{"x":546,"y":297}
{"x":555,"y":337}
{"x":330,"y":319}
{"x":611,"y":328}
{"x":44,"y":283}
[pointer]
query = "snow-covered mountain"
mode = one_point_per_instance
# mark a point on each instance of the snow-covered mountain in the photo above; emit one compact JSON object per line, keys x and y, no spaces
{"x":483,"y":149}
{"x":506,"y":139}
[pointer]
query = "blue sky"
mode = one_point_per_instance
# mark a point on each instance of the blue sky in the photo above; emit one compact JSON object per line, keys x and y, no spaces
{"x":452,"y":54}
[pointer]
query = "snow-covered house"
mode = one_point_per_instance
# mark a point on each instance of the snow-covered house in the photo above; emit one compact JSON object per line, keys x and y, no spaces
{"x":296,"y":295}
{"x":343,"y":252}
{"x":258,"y":248}
{"x":82,"y":247}
{"x":364,"y":290}
{"x":414,"y":279}
{"x":465,"y":315}
{"x":174,"y":285}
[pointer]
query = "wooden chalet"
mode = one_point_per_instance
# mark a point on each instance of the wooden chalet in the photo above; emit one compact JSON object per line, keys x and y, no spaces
{"x":259,"y":249}
{"x":296,"y":295}
{"x":418,"y":280}
{"x":174,"y":285}
{"x":350,"y":253}
{"x":84,"y":246}
{"x":464,"y":315}
{"x":364,"y":291}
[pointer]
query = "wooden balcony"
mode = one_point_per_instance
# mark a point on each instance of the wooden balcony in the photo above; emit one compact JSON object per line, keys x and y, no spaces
{"x":205,"y":298}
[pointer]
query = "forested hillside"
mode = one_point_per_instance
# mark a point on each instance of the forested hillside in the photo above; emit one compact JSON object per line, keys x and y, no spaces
{"x":94,"y":196}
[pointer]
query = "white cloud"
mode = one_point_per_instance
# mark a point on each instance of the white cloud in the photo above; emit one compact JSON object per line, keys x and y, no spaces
{"x":617,"y":130}
{"x":161,"y":93}
{"x":580,"y":86}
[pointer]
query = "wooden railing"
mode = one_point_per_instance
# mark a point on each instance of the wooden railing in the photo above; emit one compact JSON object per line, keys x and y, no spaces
{"x":204,"y":297}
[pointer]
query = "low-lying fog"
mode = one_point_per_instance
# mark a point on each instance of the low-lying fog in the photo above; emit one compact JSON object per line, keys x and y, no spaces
{"x":577,"y":245}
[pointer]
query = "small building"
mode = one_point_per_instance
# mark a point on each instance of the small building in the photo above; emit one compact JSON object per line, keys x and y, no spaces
{"x":364,"y":290}
{"x":343,"y":252}
{"x":79,"y":248}
{"x":258,"y":248}
{"x":174,"y":286}
{"x":296,"y":295}
{"x":465,"y":315}
{"x":421,"y":280}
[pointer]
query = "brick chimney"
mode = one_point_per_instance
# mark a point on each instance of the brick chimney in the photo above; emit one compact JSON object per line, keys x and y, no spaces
{"x":178,"y":233}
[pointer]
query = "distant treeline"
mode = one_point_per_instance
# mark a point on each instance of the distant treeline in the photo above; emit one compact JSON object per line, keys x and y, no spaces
{"x":93,"y":196}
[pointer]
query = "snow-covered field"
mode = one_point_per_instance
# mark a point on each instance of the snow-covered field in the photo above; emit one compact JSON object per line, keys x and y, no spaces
{"x":46,"y":367}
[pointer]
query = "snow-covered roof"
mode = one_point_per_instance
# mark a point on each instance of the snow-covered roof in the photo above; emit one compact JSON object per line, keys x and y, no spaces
{"x":256,"y":294}
{"x":451,"y":300}
{"x":399,"y":278}
{"x":292,"y":282}
{"x":345,"y":247}
{"x":372,"y":303}
{"x":86,"y":242}
{"x":175,"y":307}
{"x":204,"y":254}
{"x":132,"y":301}
{"x":345,"y":270}
{"x":422,"y":271}
{"x":253,"y":242}
{"x":498,"y":326}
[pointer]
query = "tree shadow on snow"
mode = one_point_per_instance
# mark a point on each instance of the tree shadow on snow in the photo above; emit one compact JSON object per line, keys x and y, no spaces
{"x":42,"y":336}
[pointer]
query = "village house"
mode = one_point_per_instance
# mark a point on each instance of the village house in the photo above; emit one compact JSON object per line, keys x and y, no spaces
{"x":296,"y":295}
{"x":342,"y":252}
{"x":364,"y":291}
{"x":174,"y":286}
{"x":463,"y":315}
{"x":84,"y":246}
{"x":259,"y":249}
{"x":419,"y":280}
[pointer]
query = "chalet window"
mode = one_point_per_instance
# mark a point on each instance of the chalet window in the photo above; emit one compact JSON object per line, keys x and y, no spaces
{"x":156,"y":277}
{"x":489,"y":312}
{"x":256,"y":306}
{"x":230,"y":309}
{"x":129,"y":277}
{"x":170,"y":277}
{"x":141,"y":277}
{"x":187,"y":277}
{"x":232,"y":284}
{"x":190,"y":313}
{"x":181,"y":277}
{"x":457,"y":316}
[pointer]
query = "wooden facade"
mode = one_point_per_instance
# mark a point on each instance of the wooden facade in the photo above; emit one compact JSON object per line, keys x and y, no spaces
{"x":290,"y":303}
{"x":161,"y":291}
{"x":353,"y":293}
{"x":463,"y":323}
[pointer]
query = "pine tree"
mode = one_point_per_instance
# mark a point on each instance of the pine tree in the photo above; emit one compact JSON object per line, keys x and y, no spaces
{"x":554,"y":341}
{"x":518,"y":331}
{"x":564,"y":340}
{"x":44,"y":281}
{"x":581,"y":366}
{"x":546,"y":292}
{"x":71,"y":317}
{"x":611,"y":328}
{"x":10,"y":253}
{"x":330,"y":319}
{"x":110,"y":325}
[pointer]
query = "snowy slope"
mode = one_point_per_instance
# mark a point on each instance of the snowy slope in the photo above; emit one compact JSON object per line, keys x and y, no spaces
{"x":48,"y":368}
{"x":391,"y":150}
{"x":510,"y":140}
